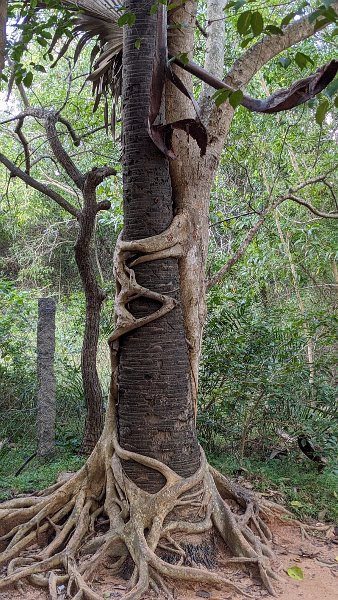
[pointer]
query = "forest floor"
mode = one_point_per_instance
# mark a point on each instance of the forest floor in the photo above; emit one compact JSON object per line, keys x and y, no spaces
{"x":298,"y":485}
{"x":317,"y":559}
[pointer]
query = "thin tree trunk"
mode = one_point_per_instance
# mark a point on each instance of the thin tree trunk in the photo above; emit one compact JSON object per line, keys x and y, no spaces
{"x":46,"y":404}
{"x":94,"y":298}
{"x":3,"y":20}
{"x":155,"y":409}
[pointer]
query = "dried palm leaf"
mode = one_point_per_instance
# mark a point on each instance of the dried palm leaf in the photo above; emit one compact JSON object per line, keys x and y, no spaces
{"x":97,"y":20}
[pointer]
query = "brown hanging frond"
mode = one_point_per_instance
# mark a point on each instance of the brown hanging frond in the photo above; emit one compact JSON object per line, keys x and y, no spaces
{"x":98,"y":20}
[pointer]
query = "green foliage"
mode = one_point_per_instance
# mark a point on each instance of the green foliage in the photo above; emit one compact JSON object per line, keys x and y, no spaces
{"x":36,"y":475}
{"x":292,"y":480}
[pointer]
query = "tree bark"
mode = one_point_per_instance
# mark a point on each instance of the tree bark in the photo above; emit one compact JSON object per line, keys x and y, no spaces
{"x":3,"y":20}
{"x":46,"y":405}
{"x":155,"y":408}
{"x":94,"y":296}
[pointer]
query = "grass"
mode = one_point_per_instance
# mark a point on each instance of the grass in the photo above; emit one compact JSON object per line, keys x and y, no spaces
{"x":297,"y":482}
{"x":291,"y":480}
{"x":37,"y":475}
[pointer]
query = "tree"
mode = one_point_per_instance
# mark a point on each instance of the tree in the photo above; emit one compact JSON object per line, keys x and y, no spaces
{"x":140,"y":478}
{"x":46,"y":377}
{"x":86,"y":184}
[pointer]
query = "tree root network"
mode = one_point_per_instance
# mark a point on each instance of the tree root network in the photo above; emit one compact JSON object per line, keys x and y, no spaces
{"x":139,"y":525}
{"x":100,"y":514}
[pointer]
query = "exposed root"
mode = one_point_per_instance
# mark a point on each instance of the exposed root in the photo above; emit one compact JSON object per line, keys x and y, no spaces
{"x":169,"y":244}
{"x":140,"y":525}
{"x":99,"y":514}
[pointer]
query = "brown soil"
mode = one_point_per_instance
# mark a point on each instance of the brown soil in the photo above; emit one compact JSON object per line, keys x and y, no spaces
{"x":316,"y":558}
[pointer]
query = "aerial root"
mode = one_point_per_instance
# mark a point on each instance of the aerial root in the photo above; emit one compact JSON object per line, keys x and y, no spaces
{"x":128,"y":254}
{"x":100,"y":518}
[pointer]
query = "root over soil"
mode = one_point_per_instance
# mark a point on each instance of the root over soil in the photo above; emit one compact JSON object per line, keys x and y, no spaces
{"x":99,"y":513}
{"x":63,"y":535}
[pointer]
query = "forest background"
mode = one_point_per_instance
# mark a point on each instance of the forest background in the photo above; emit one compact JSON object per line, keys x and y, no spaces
{"x":269,"y":366}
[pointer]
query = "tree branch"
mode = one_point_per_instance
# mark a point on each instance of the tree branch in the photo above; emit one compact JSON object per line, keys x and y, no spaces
{"x":312,"y":208}
{"x":263,"y":51}
{"x":40,"y":187}
{"x":50,"y":119}
{"x":217,"y":277}
{"x":301,"y":91}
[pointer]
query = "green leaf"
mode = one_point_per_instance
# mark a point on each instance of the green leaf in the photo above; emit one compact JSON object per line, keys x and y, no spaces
{"x":287,"y":19}
{"x":274,"y":30}
{"x":257,"y":23}
{"x":246,"y":41}
{"x":296,"y":573}
{"x":127,"y":19}
{"x":302,"y":59}
{"x":153,"y":8}
{"x":40,"y":68}
{"x":321,"y":111}
{"x":28,"y":79}
{"x":138,"y":43}
{"x":243,"y":22}
{"x":236,"y":98}
{"x":336,"y":101}
{"x":41,"y":41}
{"x":332,"y":88}
{"x":220,"y":96}
{"x":285,"y":61}
{"x":184,"y":58}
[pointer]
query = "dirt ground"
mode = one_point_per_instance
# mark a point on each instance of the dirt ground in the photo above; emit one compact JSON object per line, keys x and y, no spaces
{"x":318,"y":560}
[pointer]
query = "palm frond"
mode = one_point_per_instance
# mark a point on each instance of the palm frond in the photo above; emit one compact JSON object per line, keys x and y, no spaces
{"x":97,"y":20}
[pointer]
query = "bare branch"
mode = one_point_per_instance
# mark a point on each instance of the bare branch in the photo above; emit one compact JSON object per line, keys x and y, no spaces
{"x":312,"y":208}
{"x":24,"y":142}
{"x":217,"y":277}
{"x":50,"y":119}
{"x":40,"y":187}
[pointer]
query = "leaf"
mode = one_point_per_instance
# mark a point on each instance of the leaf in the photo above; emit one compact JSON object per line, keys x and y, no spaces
{"x":184,"y":58}
{"x":138,"y":43}
{"x":287,"y":19}
{"x":285,"y":62}
{"x":321,"y":111}
{"x":274,"y":30}
{"x":302,"y":59}
{"x":332,"y":88}
{"x":257,"y":23}
{"x":295,"y":573}
{"x":296,"y":504}
{"x":28,"y":79}
{"x":236,"y":98}
{"x":243,"y":23}
{"x":220,"y":96}
{"x":127,"y":19}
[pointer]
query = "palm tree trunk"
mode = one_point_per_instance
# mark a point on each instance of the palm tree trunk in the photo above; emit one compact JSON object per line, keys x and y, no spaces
{"x":155,"y":410}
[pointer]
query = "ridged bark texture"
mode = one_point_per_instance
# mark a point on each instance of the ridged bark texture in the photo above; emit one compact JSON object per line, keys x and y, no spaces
{"x":155,"y":411}
{"x":46,"y":405}
{"x":94,"y":298}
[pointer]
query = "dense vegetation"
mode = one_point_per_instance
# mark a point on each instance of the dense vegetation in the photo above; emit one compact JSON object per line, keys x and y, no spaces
{"x":257,"y":385}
